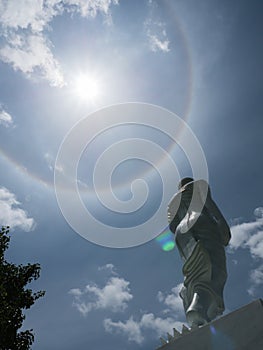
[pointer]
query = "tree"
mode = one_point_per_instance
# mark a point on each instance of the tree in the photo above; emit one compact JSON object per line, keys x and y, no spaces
{"x":14,"y":298}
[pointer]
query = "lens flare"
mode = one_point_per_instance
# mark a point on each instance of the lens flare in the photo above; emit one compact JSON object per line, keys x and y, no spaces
{"x":219,"y":340}
{"x":166,"y":241}
{"x":213,"y":330}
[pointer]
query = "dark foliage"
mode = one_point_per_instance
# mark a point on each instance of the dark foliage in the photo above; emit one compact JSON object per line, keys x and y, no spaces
{"x":14,"y":298}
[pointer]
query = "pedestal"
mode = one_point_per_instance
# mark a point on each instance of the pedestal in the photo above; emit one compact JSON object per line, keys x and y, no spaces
{"x":241,"y":329}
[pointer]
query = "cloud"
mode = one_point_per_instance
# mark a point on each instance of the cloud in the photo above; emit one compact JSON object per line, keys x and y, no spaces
{"x":114,"y":296}
{"x":130,"y":329}
{"x":11,"y":215}
{"x":92,"y":8}
{"x":135,"y":330}
{"x":31,"y":54}
{"x":109,"y":268}
{"x":36,"y":15}
{"x":25,"y":47}
{"x":149,"y":322}
{"x":24,"y":26}
{"x":28,"y":14}
{"x":49,"y":160}
{"x":159,"y":325}
{"x":256,"y":279}
{"x":172,"y":300}
{"x":5,"y":118}
{"x":157,"y":36}
{"x":255,"y":244}
{"x":249,"y":235}
{"x":156,"y":44}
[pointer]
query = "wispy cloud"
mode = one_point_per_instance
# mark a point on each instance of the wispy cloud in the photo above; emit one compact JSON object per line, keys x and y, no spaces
{"x":92,"y":8}
{"x":173,"y":300}
{"x":135,"y":330}
{"x":130,"y":329}
{"x":49,"y":160}
{"x":5,"y":118}
{"x":114,"y":296}
{"x":156,"y":30}
{"x":158,"y":44}
{"x":10,"y":213}
{"x":109,"y":268}
{"x":24,"y":27}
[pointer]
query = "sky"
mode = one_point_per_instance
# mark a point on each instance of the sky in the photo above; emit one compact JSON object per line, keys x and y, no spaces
{"x":81,"y":68}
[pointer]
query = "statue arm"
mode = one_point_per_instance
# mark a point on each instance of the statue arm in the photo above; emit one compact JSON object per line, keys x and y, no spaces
{"x":219,"y":218}
{"x":213,"y":209}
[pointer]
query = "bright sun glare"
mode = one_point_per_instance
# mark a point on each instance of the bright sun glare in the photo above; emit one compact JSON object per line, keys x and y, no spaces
{"x":87,"y":87}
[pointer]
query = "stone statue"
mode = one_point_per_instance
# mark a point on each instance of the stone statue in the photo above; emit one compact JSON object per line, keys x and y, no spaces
{"x":201,"y":233}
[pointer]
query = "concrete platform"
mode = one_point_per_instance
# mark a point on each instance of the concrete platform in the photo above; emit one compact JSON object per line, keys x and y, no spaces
{"x":242,"y":329}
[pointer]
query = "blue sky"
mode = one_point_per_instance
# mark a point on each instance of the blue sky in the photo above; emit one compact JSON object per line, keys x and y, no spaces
{"x":60,"y":61}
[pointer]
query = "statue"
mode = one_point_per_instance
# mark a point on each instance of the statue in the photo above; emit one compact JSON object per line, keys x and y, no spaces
{"x":201,"y":233}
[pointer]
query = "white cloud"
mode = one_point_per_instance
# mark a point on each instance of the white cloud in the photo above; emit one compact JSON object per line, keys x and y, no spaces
{"x":255,"y":244}
{"x":108,"y":267}
{"x":32,"y":55}
{"x":135,"y":330}
{"x":25,"y":44}
{"x":5,"y":118}
{"x":130,"y":329}
{"x":156,"y":44}
{"x":36,"y":15}
{"x":149,"y":322}
{"x":256,"y":278}
{"x":160,"y":325}
{"x":114,"y":296}
{"x":92,"y":8}
{"x":172,"y":300}
{"x":242,"y":232}
{"x":257,"y":275}
{"x":50,"y":161}
{"x":157,"y":36}
{"x":28,"y":14}
{"x":11,"y":215}
{"x":249,"y":235}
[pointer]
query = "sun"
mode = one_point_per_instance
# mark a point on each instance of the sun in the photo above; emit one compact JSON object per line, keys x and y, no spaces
{"x":87,"y":87}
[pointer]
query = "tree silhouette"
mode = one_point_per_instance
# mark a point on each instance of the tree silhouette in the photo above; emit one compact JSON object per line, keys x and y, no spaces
{"x":14,"y":298}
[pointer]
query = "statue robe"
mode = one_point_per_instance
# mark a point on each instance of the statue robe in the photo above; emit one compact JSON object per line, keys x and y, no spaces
{"x":201,"y":232}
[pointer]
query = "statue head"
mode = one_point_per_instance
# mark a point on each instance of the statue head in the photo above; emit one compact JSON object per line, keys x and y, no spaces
{"x":184,"y":181}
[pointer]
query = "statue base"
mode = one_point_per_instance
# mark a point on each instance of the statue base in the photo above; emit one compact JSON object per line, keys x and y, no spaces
{"x":241,"y":329}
